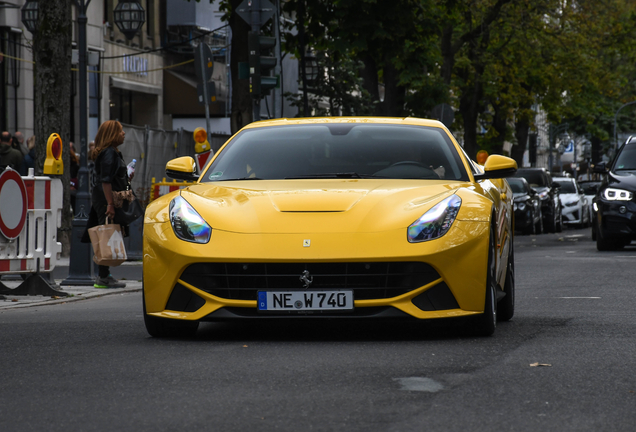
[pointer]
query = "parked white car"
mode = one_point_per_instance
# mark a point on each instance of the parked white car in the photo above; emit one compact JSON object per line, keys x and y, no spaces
{"x":573,"y":202}
{"x":590,"y":188}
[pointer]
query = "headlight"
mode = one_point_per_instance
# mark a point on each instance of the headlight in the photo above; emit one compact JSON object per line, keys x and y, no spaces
{"x":544,"y":194}
{"x":186,"y":222}
{"x":612,"y":194}
{"x":521,"y":206}
{"x":571,"y":204}
{"x":436,"y":222}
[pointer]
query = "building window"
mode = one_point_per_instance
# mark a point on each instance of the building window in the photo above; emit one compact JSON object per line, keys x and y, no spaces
{"x":121,"y":102}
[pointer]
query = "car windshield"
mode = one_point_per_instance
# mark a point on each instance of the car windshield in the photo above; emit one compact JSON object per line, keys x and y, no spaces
{"x":338,"y":150}
{"x":534,"y":178}
{"x":626,"y":160}
{"x":590,"y":188}
{"x":516,"y":185}
{"x":567,"y":186}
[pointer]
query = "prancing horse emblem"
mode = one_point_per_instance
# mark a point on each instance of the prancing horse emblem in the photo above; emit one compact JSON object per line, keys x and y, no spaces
{"x":306,"y":278}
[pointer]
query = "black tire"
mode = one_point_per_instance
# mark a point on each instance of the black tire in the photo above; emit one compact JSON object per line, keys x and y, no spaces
{"x":538,"y":229}
{"x":550,"y":225}
{"x":506,"y":306}
{"x":604,"y":243}
{"x":163,"y":327}
{"x":559,"y":222}
{"x":486,"y":323}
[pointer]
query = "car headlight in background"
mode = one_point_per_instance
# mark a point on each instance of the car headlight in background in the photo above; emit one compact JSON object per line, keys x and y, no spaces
{"x":520,"y":206}
{"x":544,"y":194}
{"x":612,"y":194}
{"x":436,"y":222}
{"x":187,"y":224}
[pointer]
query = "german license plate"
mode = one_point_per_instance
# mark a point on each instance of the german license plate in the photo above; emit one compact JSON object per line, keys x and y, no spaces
{"x":305,"y":300}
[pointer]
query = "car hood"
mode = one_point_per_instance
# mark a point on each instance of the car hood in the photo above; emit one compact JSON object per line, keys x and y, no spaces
{"x":623,"y":180}
{"x":567,"y":198}
{"x":333,"y":205}
{"x":520,"y":196}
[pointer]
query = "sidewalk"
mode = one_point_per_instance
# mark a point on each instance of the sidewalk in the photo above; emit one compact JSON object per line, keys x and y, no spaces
{"x":131,"y":269}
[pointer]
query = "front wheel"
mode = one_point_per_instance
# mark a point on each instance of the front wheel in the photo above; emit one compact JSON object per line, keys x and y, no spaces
{"x":486,"y":323}
{"x":539,"y":225}
{"x":506,"y":306}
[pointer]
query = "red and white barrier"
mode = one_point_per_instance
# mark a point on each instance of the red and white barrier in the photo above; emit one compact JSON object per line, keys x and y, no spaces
{"x":30,"y":214}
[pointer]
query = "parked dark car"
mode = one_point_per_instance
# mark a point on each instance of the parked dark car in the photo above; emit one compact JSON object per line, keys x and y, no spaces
{"x":614,"y":206}
{"x":540,"y":180}
{"x":527,"y":204}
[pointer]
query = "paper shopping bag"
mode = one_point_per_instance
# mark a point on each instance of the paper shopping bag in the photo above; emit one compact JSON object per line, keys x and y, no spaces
{"x":108,"y":245}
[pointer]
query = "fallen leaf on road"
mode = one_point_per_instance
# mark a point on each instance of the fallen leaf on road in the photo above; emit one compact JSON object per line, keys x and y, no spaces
{"x":539,"y":364}
{"x":56,"y":297}
{"x":244,"y":346}
{"x":15,"y":300}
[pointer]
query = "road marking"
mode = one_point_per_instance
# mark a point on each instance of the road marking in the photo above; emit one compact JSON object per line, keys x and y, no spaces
{"x":419,"y":384}
{"x":579,"y":297}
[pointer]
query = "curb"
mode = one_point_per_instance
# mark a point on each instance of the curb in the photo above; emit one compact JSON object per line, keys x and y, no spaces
{"x":44,"y":301}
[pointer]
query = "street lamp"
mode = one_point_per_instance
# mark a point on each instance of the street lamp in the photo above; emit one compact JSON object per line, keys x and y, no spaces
{"x":30,"y":15}
{"x":129,"y":16}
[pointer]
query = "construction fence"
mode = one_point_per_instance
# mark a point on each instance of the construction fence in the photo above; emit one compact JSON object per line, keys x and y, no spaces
{"x":153,"y":148}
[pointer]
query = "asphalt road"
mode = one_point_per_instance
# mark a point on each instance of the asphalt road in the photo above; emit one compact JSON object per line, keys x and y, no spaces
{"x":90,"y":365}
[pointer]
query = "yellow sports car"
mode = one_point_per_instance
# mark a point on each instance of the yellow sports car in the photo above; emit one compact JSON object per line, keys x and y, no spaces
{"x":332,"y":218}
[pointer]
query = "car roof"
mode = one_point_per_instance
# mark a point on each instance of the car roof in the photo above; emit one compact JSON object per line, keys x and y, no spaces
{"x":412,"y":121}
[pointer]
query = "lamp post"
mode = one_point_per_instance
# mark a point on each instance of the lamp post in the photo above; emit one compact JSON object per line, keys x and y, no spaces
{"x":615,"y":118}
{"x":80,"y":261}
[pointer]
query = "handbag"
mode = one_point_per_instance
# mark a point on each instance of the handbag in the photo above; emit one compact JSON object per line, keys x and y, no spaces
{"x":108,"y":244}
{"x":129,"y":212}
{"x":127,"y":207}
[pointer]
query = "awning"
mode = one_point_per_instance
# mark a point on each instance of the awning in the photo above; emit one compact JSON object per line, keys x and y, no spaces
{"x":135,"y":86}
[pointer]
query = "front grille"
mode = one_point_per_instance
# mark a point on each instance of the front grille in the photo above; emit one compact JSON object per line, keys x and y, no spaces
{"x":373,"y":280}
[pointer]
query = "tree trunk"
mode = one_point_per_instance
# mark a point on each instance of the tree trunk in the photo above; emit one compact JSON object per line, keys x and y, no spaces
{"x":522,"y":128}
{"x":500,"y":124}
{"x":370,"y":80}
{"x":52,"y":84}
{"x":394,"y":94}
{"x":241,"y":99}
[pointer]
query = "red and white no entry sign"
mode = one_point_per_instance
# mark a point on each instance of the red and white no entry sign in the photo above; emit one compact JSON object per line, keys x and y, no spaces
{"x":13,"y":203}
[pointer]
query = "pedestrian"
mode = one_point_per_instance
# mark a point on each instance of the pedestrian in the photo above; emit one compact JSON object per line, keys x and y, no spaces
{"x":19,"y":144}
{"x":8,"y":155}
{"x":110,"y":176}
{"x":29,"y":158}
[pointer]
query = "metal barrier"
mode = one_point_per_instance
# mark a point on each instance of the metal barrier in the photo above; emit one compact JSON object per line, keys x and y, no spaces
{"x":30,"y":214}
{"x":164,"y":187}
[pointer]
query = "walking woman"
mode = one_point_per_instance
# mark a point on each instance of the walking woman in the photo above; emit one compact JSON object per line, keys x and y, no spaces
{"x":110,"y":175}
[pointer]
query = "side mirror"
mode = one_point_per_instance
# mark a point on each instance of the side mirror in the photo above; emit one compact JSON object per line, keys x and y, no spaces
{"x":497,"y":166}
{"x":600,"y":168}
{"x":183,"y":168}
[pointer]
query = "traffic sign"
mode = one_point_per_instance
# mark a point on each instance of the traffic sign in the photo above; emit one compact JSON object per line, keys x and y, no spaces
{"x":264,"y":8}
{"x":13,"y":204}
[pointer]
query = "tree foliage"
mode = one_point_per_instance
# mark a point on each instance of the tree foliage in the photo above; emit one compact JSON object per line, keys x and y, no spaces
{"x":494,"y":61}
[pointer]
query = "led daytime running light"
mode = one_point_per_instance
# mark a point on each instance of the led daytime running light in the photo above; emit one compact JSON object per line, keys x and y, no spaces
{"x":612,"y":194}
{"x":187,"y":224}
{"x":436,"y":222}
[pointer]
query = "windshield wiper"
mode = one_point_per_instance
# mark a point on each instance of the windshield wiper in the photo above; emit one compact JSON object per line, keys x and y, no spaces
{"x":329,"y":175}
{"x":240,"y":178}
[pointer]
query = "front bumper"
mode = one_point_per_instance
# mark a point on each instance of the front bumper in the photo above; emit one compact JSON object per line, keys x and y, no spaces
{"x":523,"y":218}
{"x":617,"y":218}
{"x":457,"y":282}
{"x":572,"y":214}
